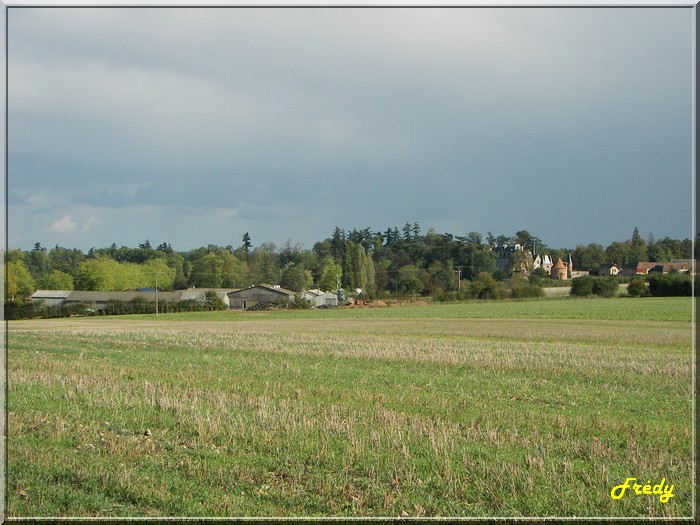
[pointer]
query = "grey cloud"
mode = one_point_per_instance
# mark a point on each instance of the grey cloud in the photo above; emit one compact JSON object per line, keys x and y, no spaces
{"x":445,"y":114}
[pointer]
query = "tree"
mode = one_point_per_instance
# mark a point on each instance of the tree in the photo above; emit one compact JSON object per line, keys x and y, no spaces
{"x":37,"y":262}
{"x":263,"y":266}
{"x":156,"y":268}
{"x":56,"y":280}
{"x":638,"y":252}
{"x":581,"y":286}
{"x":523,"y":238}
{"x":605,"y":286}
{"x":65,"y":260}
{"x":20,"y":284}
{"x":338,"y":245}
{"x":246,"y":244}
{"x":409,"y":281}
{"x":485,"y":287}
{"x":331,"y":275}
{"x":637,"y":287}
{"x":619,"y":253}
{"x":96,"y":273}
{"x":347,"y":265}
{"x":589,"y":257}
{"x":295,"y":277}
{"x":362,"y":269}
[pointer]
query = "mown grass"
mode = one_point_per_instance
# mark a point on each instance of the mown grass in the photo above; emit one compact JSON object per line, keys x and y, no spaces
{"x":351,"y":416}
{"x":619,"y":309}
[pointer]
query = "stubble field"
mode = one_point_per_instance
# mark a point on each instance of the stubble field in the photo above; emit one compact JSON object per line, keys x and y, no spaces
{"x":456,"y":410}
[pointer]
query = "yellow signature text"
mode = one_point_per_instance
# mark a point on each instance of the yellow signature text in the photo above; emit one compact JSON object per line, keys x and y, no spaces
{"x":663,"y":490}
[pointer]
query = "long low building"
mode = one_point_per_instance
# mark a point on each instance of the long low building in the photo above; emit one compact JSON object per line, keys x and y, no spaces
{"x":99,"y":300}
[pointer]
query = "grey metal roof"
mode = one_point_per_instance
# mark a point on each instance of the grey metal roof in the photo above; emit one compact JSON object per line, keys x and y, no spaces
{"x":272,"y":288}
{"x":101,"y":297}
{"x":198,"y":293}
{"x":51,"y":294}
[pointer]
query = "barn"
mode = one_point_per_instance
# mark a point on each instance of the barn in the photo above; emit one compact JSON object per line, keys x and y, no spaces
{"x":50,"y":297}
{"x":260,"y":293}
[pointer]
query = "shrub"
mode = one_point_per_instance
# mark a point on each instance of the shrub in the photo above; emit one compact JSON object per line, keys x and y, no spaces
{"x":582,"y":286}
{"x":670,"y":285}
{"x":638,"y":287}
{"x":300,"y":303}
{"x":524,"y":291}
{"x":605,"y":286}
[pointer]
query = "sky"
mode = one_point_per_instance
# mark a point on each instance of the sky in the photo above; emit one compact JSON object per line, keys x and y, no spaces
{"x":195,"y":126}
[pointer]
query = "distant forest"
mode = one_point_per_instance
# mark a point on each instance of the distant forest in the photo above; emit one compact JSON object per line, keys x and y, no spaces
{"x":393,"y":262}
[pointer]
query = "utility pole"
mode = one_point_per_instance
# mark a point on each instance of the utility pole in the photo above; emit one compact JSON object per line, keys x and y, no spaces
{"x":156,"y":294}
{"x":459,"y":278}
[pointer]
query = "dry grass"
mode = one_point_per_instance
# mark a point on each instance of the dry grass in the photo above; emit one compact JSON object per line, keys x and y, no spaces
{"x":379,"y":417}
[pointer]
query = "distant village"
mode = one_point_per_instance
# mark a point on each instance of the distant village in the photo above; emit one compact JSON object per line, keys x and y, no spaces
{"x":262,"y":296}
{"x":348,"y":268}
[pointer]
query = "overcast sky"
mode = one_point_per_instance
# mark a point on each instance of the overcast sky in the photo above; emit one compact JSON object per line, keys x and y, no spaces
{"x":194,"y":126}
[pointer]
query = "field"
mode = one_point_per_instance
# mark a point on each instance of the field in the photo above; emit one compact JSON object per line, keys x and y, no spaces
{"x":533,"y":408}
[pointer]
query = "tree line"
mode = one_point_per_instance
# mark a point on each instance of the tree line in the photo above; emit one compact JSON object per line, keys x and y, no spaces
{"x":395,"y":261}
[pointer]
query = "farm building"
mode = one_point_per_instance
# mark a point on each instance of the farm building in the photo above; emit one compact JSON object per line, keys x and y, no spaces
{"x":99,"y":300}
{"x":318,"y":298}
{"x":198,"y":294}
{"x":261,"y":293}
{"x":50,"y":297}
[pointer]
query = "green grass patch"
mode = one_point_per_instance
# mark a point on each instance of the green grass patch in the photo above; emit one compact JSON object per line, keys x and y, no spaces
{"x":617,"y":309}
{"x":328,"y":414}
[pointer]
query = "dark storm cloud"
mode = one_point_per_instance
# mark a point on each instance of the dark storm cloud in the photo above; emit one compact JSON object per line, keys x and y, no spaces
{"x":463,"y":119}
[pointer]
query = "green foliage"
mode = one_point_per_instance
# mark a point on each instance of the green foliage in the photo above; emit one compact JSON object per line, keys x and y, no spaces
{"x":299,"y":304}
{"x":295,"y":277}
{"x":56,"y":280}
{"x":605,"y":286}
{"x":670,"y":285}
{"x":486,"y":287}
{"x":263,"y":267}
{"x":582,"y":286}
{"x":213,"y":302}
{"x":372,"y":261}
{"x":526,"y":291}
{"x":218,"y":268}
{"x":20,"y":284}
{"x":409,"y":281}
{"x":601,"y":286}
{"x":331,"y":275}
{"x":589,"y":257}
{"x":32,"y":310}
{"x":637,"y":287}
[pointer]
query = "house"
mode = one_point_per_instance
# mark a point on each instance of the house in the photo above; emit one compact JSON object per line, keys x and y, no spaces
{"x":260,"y":293}
{"x":683,"y":265}
{"x":543,"y":261}
{"x":611,"y":269}
{"x":640,"y":268}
